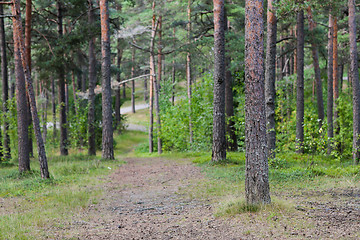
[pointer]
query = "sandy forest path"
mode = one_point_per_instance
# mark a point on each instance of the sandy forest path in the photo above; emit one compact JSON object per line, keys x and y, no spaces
{"x":144,"y":200}
{"x":148,"y":198}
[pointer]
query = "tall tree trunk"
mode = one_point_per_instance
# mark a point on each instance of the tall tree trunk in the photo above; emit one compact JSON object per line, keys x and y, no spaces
{"x":270,"y":78}
{"x":341,"y":77}
{"x":300,"y":83}
{"x":53,"y":107}
{"x":335,"y":78}
{"x":117,"y":91}
{"x":19,"y":42}
{"x":92,"y":84}
{"x":354,"y":75}
{"x":21,"y":105}
{"x":28,"y":60}
{"x":315,"y":56}
{"x":107,"y":129}
{"x":229,"y":98}
{"x":330,"y":84}
{"x":45,"y":106}
{"x":133,"y":81}
{"x":124,"y":90}
{"x":257,"y":177}
{"x":159,"y":55}
{"x":173,"y":72}
{"x":83,"y":81}
{"x":62,"y":94}
{"x":5,"y":87}
{"x":188,"y":70}
{"x":152,"y":76}
{"x":219,"y":140}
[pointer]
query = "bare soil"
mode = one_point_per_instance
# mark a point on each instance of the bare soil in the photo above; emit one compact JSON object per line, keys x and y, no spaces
{"x":147,"y":198}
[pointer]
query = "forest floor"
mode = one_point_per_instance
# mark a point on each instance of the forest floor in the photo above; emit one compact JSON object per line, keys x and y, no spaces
{"x":153,"y":198}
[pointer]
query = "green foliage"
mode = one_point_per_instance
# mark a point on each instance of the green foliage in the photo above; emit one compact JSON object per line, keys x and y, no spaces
{"x":175,"y":132}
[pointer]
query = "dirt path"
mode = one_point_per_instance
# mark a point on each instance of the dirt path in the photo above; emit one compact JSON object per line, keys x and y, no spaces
{"x":146,"y":199}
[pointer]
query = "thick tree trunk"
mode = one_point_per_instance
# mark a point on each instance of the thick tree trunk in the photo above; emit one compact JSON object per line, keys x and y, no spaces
{"x":188,"y":71}
{"x":270,"y":78}
{"x":330,"y":104}
{"x":22,"y":108}
{"x":5,"y":87}
{"x":19,"y":41}
{"x":107,"y":128}
{"x":354,"y":75}
{"x":62,"y":94}
{"x":117,"y":91}
{"x":229,"y":100}
{"x":318,"y":82}
{"x":257,"y":189}
{"x":133,"y":81}
{"x":92,"y":84}
{"x":300,"y":83}
{"x":219,"y":140}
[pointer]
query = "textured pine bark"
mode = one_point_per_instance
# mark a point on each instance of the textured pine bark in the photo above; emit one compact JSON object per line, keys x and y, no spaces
{"x":62,"y":96}
{"x":5,"y":86}
{"x":107,"y":128}
{"x":318,"y":82}
{"x":219,"y":140}
{"x":330,"y":103}
{"x":256,"y":180}
{"x":173,"y":71}
{"x":300,"y":83}
{"x":19,"y":41}
{"x":21,"y":107}
{"x":354,"y":75}
{"x":270,"y":78}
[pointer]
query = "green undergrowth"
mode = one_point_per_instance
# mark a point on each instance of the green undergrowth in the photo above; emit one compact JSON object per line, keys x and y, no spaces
{"x":33,"y":206}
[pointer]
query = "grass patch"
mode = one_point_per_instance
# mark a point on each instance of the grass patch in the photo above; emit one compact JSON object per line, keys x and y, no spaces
{"x":33,"y":207}
{"x":236,"y":206}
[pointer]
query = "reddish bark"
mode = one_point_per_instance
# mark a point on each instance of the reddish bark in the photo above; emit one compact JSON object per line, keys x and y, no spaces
{"x":354,"y":75}
{"x":256,"y":180}
{"x":19,"y":41}
{"x":219,"y":140}
{"x":107,"y":128}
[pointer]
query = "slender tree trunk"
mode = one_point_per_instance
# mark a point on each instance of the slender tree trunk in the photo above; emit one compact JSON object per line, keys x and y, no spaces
{"x":133,"y":81}
{"x":92,"y":84}
{"x":45,"y":106}
{"x":83,"y":81}
{"x":124,"y":90}
{"x":318,"y":82}
{"x":229,"y":99}
{"x":335,"y":79}
{"x":53,"y":107}
{"x":117,"y":91}
{"x":257,"y":177}
{"x":188,"y":71}
{"x":62,"y":94}
{"x":107,"y":129}
{"x":28,"y":60}
{"x":354,"y":75}
{"x":5,"y":86}
{"x":219,"y":140}
{"x":270,"y":78}
{"x":300,"y":83}
{"x":341,"y":77}
{"x":159,"y":55}
{"x":173,"y":72}
{"x":330,"y":85}
{"x":152,"y":77}
{"x":19,"y":41}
